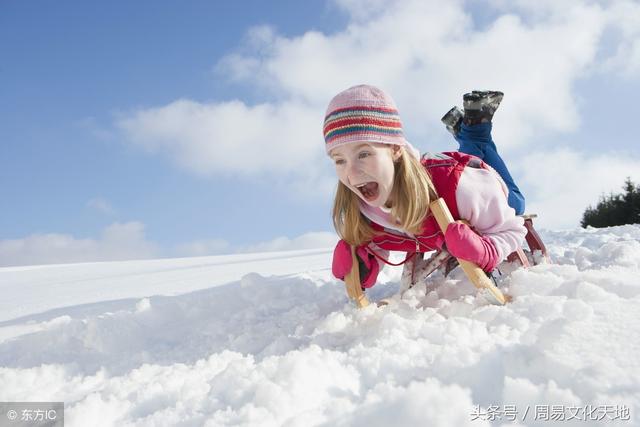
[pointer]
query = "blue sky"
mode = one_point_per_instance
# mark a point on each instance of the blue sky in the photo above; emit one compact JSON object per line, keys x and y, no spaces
{"x":145,"y":129}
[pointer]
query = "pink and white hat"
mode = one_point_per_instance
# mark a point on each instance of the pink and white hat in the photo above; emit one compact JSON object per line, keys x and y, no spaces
{"x":363,"y":113}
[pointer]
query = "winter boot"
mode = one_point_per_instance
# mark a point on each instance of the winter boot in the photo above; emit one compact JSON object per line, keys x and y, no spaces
{"x":452,"y":120}
{"x":479,"y":106}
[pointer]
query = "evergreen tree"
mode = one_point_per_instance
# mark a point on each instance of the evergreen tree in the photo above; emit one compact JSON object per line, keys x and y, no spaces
{"x":615,"y":209}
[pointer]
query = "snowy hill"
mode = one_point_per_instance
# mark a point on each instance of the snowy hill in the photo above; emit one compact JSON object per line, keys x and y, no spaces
{"x":269,"y":340}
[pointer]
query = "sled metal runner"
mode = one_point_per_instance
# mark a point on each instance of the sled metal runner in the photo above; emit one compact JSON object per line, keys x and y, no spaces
{"x":416,"y":270}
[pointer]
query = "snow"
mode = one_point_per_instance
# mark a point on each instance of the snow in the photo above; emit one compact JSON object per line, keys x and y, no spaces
{"x":270,"y":340}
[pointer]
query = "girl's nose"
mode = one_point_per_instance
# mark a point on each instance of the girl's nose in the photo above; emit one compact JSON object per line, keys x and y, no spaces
{"x":354,"y":173}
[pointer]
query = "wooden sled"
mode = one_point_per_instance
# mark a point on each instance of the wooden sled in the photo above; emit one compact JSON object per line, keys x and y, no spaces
{"x":417,"y":269}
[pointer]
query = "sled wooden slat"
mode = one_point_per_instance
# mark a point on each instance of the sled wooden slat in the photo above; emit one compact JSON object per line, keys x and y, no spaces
{"x":352,"y":282}
{"x":477,"y":276}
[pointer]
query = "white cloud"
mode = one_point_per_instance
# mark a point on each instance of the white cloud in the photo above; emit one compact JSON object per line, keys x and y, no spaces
{"x":203,"y":247}
{"x":127,"y":241}
{"x":621,"y":19}
{"x":119,"y":241}
{"x":101,"y":205}
{"x":229,"y":137}
{"x":310,"y":240}
{"x":624,"y":19}
{"x":426,"y":54}
{"x":562,"y":183}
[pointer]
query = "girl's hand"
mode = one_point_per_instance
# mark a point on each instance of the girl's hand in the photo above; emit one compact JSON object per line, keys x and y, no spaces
{"x":342,"y":263}
{"x":464,"y":243}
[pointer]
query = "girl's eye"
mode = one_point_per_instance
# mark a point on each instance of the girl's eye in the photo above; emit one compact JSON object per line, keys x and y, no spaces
{"x":364,"y":154}
{"x":339,"y":161}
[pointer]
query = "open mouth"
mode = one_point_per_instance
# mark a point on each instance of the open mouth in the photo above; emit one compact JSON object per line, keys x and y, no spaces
{"x":369,"y":190}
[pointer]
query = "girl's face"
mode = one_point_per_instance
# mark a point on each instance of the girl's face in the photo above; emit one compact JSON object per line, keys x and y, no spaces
{"x":367,"y":169}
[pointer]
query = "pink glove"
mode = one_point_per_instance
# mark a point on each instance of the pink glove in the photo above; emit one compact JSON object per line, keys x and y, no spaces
{"x":464,"y":243}
{"x":342,"y":263}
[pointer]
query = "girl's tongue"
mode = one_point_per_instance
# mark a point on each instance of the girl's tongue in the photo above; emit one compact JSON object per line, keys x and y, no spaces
{"x":370,"y":191}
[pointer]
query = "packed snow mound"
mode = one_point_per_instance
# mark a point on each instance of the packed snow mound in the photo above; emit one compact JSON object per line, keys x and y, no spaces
{"x":184,"y":342}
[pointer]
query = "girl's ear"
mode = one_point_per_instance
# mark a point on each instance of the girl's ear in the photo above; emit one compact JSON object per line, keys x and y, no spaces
{"x":396,"y":152}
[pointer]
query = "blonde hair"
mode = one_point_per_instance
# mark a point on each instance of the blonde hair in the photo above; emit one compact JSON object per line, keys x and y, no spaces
{"x":411,"y":194}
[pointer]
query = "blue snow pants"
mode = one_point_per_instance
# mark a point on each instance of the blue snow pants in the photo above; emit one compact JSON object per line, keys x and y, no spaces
{"x":476,"y":140}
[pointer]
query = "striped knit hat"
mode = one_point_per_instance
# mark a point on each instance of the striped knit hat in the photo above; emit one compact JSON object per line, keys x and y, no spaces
{"x":363,"y":114}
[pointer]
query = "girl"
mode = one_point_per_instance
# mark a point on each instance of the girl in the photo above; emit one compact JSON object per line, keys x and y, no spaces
{"x":384,"y":188}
